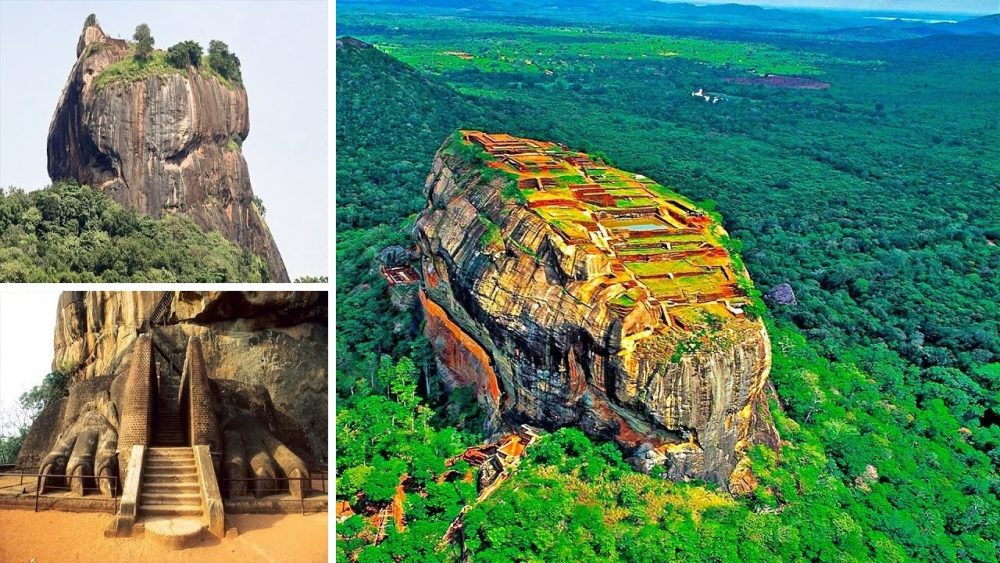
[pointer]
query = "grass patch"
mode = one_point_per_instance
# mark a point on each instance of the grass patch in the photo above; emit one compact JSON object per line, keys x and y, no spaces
{"x":92,"y":49}
{"x":626,"y":299}
{"x":131,"y":69}
{"x":512,"y":193}
{"x":492,"y":235}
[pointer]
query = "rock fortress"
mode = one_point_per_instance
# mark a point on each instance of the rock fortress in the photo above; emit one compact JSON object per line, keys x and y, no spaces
{"x":568,"y":292}
{"x":165,"y":144}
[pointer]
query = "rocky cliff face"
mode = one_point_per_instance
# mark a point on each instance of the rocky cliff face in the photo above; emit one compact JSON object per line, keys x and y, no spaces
{"x":276,"y":340}
{"x":540,"y":293}
{"x":165,"y":144}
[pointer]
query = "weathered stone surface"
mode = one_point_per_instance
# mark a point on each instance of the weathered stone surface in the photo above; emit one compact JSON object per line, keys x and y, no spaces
{"x":782,"y":294}
{"x":266,"y":355}
{"x":275,"y":340}
{"x":160,"y":145}
{"x":529,"y":320}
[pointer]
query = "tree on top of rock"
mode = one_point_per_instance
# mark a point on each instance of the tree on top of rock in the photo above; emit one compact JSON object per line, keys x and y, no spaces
{"x":184,"y":54}
{"x":91,"y":20}
{"x":224,"y":62}
{"x":143,"y":42}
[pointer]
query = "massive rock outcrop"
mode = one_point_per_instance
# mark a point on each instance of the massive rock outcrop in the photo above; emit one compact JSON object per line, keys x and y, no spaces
{"x":264,"y":352}
{"x":572,"y":293}
{"x":167,"y":143}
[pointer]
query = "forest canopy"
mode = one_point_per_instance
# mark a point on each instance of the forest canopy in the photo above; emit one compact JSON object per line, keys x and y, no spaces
{"x":72,"y":233}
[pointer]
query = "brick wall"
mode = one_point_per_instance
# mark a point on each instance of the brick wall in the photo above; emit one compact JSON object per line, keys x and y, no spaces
{"x":136,"y":407}
{"x":204,"y":426}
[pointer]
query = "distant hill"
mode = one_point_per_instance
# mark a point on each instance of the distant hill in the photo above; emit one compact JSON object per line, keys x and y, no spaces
{"x":663,"y":16}
{"x":897,"y":29}
{"x":644,"y":12}
{"x":987,"y":25}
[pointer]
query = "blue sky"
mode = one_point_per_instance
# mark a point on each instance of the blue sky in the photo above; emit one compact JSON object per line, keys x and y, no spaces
{"x":282,"y":46}
{"x":932,"y":6}
{"x":27,"y":325}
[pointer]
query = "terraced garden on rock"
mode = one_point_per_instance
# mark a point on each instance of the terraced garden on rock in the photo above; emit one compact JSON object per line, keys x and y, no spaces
{"x":662,"y":249}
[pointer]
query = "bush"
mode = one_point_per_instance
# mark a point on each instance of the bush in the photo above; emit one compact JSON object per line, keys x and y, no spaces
{"x":223,"y":62}
{"x":258,"y":204}
{"x":143,"y":42}
{"x":91,"y":20}
{"x":184,"y":54}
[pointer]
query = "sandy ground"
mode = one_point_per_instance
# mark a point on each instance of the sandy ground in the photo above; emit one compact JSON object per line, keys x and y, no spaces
{"x":67,"y":537}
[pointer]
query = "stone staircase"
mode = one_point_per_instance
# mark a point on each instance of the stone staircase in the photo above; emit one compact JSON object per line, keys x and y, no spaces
{"x":170,"y":485}
{"x":167,"y":429}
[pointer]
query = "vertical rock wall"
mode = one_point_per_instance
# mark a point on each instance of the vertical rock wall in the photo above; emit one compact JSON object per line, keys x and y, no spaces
{"x":165,"y":144}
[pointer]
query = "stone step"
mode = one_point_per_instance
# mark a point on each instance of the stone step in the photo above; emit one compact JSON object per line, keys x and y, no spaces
{"x":167,"y":452}
{"x":170,"y":477}
{"x":170,"y":459}
{"x":169,"y":510}
{"x":179,"y":466}
{"x":171,"y":487}
{"x":185,"y":499}
{"x":173,"y":533}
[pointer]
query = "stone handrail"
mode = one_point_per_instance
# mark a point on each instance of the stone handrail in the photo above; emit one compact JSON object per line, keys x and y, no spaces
{"x":213,"y":515}
{"x":121,"y":526}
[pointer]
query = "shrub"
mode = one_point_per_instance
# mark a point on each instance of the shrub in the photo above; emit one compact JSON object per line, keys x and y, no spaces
{"x":184,"y":54}
{"x":91,"y":20}
{"x":143,"y":42}
{"x":258,"y":204}
{"x":223,"y":62}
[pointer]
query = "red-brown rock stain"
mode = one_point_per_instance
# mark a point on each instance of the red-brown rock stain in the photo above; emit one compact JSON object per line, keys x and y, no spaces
{"x":458,"y":351}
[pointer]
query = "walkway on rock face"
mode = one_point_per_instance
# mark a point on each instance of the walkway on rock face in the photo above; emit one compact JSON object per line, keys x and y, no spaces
{"x":66,"y":536}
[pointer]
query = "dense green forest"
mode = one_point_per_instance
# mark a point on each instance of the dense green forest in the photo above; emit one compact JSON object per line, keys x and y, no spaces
{"x":72,"y":233}
{"x":875,"y":198}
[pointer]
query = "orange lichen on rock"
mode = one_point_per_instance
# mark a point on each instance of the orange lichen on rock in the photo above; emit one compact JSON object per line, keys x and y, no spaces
{"x":463,"y":356}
